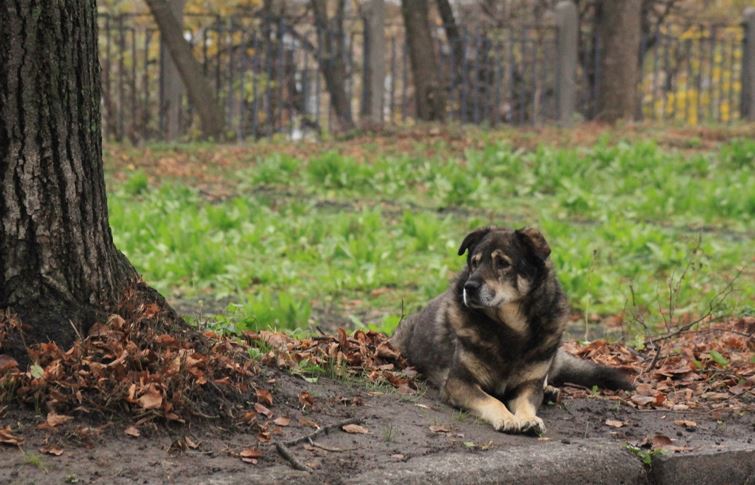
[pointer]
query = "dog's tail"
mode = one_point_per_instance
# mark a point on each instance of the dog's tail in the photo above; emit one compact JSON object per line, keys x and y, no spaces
{"x":569,"y":368}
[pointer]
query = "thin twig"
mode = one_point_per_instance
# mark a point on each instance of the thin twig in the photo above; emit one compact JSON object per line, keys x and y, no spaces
{"x":323,"y":430}
{"x":656,"y":357}
{"x":713,"y":305}
{"x":289,"y":456}
{"x":76,"y":330}
{"x":328,"y":448}
{"x":285,"y":452}
{"x":401,"y":318}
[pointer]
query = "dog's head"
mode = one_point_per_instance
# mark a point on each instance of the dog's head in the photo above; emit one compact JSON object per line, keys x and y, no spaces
{"x":503,"y":265}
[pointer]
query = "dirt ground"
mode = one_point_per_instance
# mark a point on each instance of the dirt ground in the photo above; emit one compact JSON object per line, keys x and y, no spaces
{"x":400,"y":427}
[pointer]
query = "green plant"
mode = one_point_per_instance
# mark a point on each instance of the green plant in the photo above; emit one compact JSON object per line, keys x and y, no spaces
{"x":137,"y":183}
{"x":646,"y":456}
{"x":35,"y":459}
{"x":388,"y":433}
{"x":314,"y":240}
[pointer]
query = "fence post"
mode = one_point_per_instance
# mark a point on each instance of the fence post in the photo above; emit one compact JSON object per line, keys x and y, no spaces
{"x":171,"y":86}
{"x":566,"y":69}
{"x":374,"y":82}
{"x":747,"y":107}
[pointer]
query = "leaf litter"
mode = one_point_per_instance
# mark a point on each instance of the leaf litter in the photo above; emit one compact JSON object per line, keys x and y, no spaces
{"x":137,"y":364}
{"x":688,"y":374}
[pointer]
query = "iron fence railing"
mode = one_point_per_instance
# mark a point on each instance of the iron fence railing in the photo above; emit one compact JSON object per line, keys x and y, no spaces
{"x":692,"y":73}
{"x":265,"y":74}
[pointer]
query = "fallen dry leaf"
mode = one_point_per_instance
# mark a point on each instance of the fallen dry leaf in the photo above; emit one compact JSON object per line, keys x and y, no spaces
{"x":398,"y":457}
{"x":132,"y":431}
{"x":614,"y":423}
{"x":661,"y":441}
{"x":439,"y":429}
{"x":51,"y":450}
{"x":642,"y":400}
{"x":54,"y":419}
{"x":7,"y":363}
{"x":305,"y":399}
{"x":282,"y":421}
{"x":677,"y":449}
{"x":191,"y":443}
{"x":644,"y":389}
{"x":265,"y":396}
{"x":354,"y":429}
{"x":250,"y":455}
{"x":8,"y":438}
{"x":263,"y":410}
{"x":152,"y":399}
{"x":686,"y":423}
{"x":304,"y":421}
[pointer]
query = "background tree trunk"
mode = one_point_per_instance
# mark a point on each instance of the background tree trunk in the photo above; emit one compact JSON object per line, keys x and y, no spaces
{"x":331,"y":56}
{"x":59,"y":267}
{"x":200,"y":93}
{"x":171,"y":85}
{"x":429,"y":91}
{"x":453,"y":36}
{"x":619,"y":27}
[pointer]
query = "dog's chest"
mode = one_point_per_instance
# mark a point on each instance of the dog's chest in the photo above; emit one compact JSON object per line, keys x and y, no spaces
{"x":520,"y":373}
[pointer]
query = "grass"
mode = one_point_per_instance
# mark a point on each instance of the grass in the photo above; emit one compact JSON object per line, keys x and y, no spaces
{"x":331,"y":238}
{"x":36,"y":460}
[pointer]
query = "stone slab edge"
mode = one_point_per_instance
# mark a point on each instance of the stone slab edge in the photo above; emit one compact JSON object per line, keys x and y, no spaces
{"x":581,"y":462}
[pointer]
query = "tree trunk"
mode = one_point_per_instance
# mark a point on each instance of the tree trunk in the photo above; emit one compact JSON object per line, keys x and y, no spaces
{"x":171,"y":86}
{"x":453,"y":36}
{"x":59,"y":268}
{"x":429,"y":92}
{"x":619,"y":38}
{"x":331,"y":43}
{"x":200,"y":93}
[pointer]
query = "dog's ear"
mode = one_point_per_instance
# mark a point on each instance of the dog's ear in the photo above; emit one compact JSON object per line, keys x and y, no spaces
{"x":472,"y":239}
{"x":534,"y":240}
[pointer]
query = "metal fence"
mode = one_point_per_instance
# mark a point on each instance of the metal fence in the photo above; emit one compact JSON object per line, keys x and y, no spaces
{"x":265,"y":74}
{"x":692,"y":74}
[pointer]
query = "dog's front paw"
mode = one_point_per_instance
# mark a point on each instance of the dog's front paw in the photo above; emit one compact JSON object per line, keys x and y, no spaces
{"x":551,"y":394}
{"x":533,"y":425}
{"x":507,"y":424}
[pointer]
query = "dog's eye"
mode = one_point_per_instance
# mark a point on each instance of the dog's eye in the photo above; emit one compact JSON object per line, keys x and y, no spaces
{"x":501,"y":263}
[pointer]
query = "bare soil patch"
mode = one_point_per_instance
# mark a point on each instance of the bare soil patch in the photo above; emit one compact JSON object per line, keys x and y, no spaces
{"x":400,"y":428}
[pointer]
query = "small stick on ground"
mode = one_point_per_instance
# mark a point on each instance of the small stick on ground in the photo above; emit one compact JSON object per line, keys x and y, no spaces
{"x":324,"y":430}
{"x":656,"y":357}
{"x":328,"y":448}
{"x":286,"y":453}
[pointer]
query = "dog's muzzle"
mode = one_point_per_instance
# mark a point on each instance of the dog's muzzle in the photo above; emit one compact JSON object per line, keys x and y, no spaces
{"x":470,"y":293}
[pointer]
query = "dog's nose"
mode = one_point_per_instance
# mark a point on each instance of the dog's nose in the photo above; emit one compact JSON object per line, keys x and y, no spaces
{"x":472,"y":286}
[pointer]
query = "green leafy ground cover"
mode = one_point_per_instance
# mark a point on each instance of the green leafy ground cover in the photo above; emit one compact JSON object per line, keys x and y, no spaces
{"x":329,"y":237}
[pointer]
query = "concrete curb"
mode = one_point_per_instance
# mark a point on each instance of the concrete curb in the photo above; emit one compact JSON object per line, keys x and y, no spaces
{"x":580,"y":461}
{"x":733,"y":463}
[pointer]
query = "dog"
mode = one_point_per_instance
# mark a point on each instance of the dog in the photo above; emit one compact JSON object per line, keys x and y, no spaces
{"x":494,"y":336}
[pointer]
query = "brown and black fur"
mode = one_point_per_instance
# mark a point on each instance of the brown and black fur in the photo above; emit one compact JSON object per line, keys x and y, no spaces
{"x":493,"y":337}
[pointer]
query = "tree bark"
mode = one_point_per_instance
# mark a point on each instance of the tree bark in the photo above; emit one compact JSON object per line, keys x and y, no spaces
{"x":619,"y":27}
{"x":453,"y":36}
{"x":429,"y":91}
{"x":331,"y":56}
{"x":200,"y":93}
{"x":171,"y":85}
{"x":59,"y":268}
